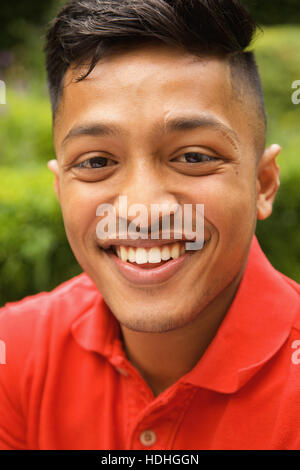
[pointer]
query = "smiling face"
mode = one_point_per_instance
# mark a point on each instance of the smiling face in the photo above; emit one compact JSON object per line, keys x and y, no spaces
{"x":158,"y":126}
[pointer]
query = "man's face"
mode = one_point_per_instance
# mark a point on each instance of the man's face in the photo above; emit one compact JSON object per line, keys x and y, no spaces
{"x":139,"y":94}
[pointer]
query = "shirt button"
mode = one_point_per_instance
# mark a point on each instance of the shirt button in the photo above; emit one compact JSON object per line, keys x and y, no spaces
{"x":148,"y":437}
{"x":122,"y":371}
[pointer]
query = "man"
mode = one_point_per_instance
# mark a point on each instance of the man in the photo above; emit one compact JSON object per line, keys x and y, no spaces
{"x":156,"y":346}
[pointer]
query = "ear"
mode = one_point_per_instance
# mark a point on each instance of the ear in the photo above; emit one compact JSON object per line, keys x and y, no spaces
{"x":267,"y":182}
{"x":53,"y":166}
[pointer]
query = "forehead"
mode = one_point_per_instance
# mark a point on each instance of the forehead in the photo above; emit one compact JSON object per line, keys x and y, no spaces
{"x":143,"y":86}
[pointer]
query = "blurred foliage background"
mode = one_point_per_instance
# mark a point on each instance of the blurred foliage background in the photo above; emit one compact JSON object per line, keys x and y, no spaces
{"x":34,"y":252}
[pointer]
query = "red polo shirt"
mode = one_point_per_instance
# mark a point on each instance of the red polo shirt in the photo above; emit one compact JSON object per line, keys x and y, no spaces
{"x":67,"y":384}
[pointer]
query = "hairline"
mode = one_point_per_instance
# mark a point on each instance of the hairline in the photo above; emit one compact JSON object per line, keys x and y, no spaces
{"x":235,"y":78}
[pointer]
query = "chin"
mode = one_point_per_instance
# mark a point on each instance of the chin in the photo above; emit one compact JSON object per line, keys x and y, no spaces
{"x":156,"y":317}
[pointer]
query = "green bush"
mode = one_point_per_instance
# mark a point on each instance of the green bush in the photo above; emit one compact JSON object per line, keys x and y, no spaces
{"x":278,"y":57}
{"x":34,"y":252}
{"x":25,"y":131}
{"x":279,"y":234}
{"x":275,"y":12}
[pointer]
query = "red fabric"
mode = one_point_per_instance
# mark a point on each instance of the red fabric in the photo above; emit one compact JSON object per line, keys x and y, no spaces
{"x":64,"y":384}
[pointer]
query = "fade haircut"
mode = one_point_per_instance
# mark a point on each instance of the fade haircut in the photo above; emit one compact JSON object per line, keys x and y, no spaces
{"x":85,"y":30}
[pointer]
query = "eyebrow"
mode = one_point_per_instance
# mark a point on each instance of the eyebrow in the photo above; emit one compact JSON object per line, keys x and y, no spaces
{"x":203,"y":121}
{"x":174,"y":124}
{"x":93,"y":129}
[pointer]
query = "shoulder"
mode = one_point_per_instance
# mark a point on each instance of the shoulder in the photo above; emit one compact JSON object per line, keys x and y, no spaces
{"x":293,"y":284}
{"x":74,"y":293}
{"x":286,"y":292}
{"x":30,"y":331}
{"x":37,"y":317}
{"x":270,"y":286}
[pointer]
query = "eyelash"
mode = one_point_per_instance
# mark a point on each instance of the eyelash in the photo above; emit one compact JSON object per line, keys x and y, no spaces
{"x":208,"y":158}
{"x":94,"y":159}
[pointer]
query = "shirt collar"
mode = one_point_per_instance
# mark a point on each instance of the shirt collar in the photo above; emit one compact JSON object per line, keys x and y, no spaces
{"x":97,"y":329}
{"x":253,"y":330}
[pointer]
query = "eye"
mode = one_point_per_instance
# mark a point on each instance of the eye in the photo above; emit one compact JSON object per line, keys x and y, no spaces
{"x":195,"y":157}
{"x":96,"y":162}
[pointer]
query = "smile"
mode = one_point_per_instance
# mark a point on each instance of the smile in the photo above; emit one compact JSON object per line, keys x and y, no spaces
{"x":154,"y":255}
{"x":144,"y":265}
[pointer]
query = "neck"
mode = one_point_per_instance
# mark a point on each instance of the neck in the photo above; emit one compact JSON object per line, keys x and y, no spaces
{"x":162,"y":358}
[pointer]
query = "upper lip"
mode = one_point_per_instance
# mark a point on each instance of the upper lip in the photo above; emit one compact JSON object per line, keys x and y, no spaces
{"x":144,"y":243}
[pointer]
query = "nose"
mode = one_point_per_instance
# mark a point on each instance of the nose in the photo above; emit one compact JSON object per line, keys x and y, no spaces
{"x":146,"y":196}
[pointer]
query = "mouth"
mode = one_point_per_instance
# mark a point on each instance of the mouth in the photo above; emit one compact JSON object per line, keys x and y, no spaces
{"x":149,"y":265}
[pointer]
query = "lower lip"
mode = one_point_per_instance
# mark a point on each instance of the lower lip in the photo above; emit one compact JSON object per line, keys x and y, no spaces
{"x":140,"y":276}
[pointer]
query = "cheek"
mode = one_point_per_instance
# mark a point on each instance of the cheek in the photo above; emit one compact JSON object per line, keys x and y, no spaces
{"x":229,"y":203}
{"x":79,"y":203}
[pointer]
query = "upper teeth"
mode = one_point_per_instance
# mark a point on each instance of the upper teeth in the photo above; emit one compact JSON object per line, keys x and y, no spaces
{"x":150,"y":255}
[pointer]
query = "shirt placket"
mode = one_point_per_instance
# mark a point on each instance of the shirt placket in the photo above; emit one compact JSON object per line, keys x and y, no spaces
{"x":157,"y":425}
{"x":150,"y":422}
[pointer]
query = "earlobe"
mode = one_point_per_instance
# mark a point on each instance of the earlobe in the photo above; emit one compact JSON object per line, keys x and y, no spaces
{"x":267,"y":183}
{"x":53,"y":166}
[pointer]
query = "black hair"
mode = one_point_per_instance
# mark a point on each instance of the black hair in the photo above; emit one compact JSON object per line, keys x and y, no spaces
{"x":85,"y":30}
